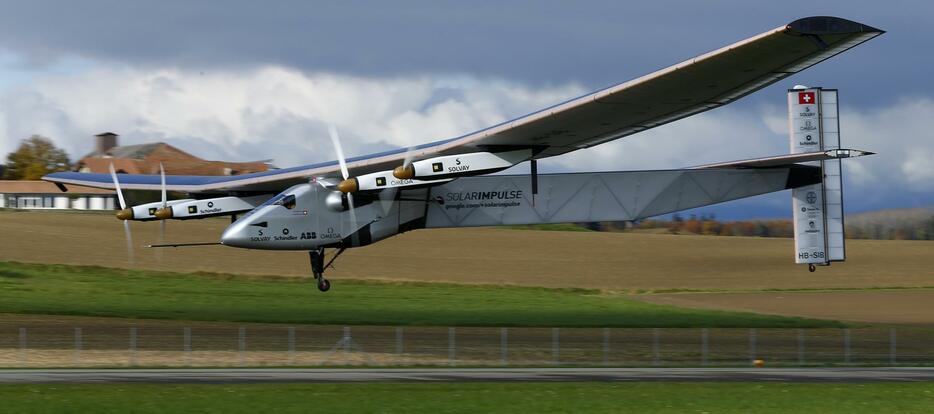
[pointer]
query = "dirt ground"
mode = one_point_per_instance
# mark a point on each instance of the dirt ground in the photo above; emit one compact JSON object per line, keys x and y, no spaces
{"x":612,"y":261}
{"x":914,"y":307}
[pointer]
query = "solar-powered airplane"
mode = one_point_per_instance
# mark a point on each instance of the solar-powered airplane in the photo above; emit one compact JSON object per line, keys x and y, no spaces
{"x":361,"y":200}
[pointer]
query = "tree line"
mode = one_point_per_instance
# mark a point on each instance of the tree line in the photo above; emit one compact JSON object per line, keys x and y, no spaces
{"x":903,"y":224}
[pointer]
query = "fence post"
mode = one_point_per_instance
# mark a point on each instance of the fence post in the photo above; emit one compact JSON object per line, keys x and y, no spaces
{"x":22,"y":346}
{"x":704,"y":347}
{"x":893,"y":352}
{"x":77,"y":358}
{"x":752,"y":345}
{"x":291,"y":345}
{"x":846,"y":345}
{"x":451,"y":346}
{"x":800,"y":346}
{"x":504,"y":345}
{"x":400,"y":341}
{"x":241,"y":346}
{"x":606,"y":346}
{"x":555,"y":346}
{"x":656,"y":358}
{"x":186,"y":345}
{"x":132,"y":346}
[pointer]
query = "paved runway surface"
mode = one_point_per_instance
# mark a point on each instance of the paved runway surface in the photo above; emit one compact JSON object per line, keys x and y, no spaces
{"x":262,"y":375}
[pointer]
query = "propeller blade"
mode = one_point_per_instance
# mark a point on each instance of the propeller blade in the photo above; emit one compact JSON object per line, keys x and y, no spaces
{"x":164,"y":204}
{"x":336,"y":141}
{"x":353,"y":214}
{"x":161,"y":240}
{"x":162,"y":177}
{"x":129,"y":242}
{"x":126,"y":223}
{"x":409,"y":154}
{"x":113,"y":174}
{"x":388,"y":196}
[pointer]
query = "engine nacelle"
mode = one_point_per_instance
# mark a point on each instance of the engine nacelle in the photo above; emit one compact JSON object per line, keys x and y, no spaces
{"x":380,"y":181}
{"x":146,"y":212}
{"x":209,"y":207}
{"x":461,"y":165}
{"x":336,"y":201}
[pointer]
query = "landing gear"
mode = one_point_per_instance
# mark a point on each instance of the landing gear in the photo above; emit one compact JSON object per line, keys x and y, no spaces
{"x":317,"y":266}
{"x":812,"y":268}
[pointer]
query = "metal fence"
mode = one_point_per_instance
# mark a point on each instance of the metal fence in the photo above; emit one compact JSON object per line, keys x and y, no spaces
{"x":274,"y":345}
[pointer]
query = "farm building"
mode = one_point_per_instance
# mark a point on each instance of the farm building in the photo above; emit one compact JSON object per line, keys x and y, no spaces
{"x":128,"y":159}
{"x":145,"y":159}
{"x":45,"y":195}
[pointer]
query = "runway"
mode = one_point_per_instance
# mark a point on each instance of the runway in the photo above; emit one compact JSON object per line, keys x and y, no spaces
{"x":284,"y":375}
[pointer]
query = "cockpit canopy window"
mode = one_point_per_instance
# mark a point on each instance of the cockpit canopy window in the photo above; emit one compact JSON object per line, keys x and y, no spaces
{"x":288,"y":201}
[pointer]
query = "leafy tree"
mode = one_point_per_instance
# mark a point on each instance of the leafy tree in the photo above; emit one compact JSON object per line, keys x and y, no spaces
{"x":35,"y":157}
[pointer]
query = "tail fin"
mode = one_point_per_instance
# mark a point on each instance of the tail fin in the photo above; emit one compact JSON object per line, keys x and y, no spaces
{"x":818,"y":208}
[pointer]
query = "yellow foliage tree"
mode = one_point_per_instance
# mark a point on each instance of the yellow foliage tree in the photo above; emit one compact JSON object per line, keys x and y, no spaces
{"x":35,"y":157}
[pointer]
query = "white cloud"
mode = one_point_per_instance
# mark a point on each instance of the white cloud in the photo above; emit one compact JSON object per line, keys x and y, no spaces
{"x":280,"y":113}
{"x":721,"y":135}
{"x":271,"y":112}
{"x":902,"y":169}
{"x":902,"y":136}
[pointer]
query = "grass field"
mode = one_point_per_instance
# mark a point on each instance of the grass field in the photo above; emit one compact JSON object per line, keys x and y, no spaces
{"x":883,"y":306}
{"x":749,"y":269}
{"x":473,"y":398}
{"x":95,"y":291}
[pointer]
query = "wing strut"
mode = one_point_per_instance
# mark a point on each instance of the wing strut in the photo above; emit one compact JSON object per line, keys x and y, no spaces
{"x":533,"y":166}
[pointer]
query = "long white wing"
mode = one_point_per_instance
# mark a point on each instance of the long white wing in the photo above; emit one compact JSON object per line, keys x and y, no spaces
{"x":690,"y":87}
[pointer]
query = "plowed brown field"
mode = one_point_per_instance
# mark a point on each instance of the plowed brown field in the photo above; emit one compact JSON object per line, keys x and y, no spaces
{"x":611,"y":261}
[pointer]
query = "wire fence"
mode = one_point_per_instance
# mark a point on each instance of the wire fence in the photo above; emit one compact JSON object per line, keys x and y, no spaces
{"x":274,"y":345}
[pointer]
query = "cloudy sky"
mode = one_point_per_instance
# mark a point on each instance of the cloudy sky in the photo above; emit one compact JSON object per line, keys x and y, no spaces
{"x":249,"y":80}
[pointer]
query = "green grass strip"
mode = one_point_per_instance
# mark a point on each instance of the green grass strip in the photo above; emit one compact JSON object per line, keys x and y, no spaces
{"x":97,"y":291}
{"x":413,"y":398}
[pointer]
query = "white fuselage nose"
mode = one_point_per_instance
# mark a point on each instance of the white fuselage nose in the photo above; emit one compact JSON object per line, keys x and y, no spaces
{"x":292,"y":220}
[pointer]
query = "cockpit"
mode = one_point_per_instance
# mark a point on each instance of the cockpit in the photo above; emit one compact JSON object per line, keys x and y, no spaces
{"x":287,"y":201}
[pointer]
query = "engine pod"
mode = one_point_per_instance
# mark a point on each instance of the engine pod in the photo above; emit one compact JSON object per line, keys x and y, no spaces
{"x":460,"y":165}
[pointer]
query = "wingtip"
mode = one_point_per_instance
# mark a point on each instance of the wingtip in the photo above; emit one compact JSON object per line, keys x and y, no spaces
{"x":829,"y":25}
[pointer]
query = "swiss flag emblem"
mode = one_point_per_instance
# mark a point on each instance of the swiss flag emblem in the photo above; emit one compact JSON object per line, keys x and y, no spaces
{"x":806,"y":98}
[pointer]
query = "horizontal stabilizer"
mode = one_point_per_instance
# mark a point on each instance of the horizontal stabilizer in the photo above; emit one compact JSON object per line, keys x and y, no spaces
{"x":784,"y":160}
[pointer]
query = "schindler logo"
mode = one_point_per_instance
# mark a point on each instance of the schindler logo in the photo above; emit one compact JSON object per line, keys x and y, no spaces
{"x":437,"y":167}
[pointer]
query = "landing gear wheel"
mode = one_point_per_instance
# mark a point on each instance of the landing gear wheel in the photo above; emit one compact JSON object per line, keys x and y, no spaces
{"x":812,"y":268}
{"x":323,"y":284}
{"x":317,"y":267}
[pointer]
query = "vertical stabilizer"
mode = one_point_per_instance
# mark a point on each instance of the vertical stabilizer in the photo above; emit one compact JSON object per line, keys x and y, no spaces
{"x":818,"y":208}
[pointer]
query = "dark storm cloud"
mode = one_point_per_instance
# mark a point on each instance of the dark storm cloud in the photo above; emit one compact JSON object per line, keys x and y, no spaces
{"x":595,"y":43}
